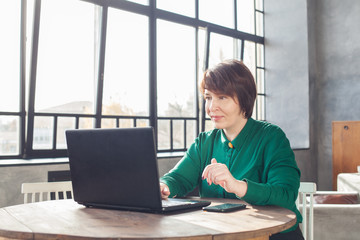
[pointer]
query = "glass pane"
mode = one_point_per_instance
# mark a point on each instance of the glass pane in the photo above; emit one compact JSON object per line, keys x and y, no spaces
{"x":126,"y":84}
{"x":9,"y":135}
{"x":43,"y":133}
{"x":63,"y":123}
{"x":66,"y":58}
{"x":259,"y":24}
{"x":163,"y":134}
{"x":222,"y":48}
{"x":260,"y":81}
{"x":184,"y":7}
{"x":108,"y":123}
{"x":259,"y":4}
{"x":176,"y":72}
{"x":208,"y":125}
{"x":86,"y":122}
{"x":178,"y":134}
{"x":218,"y":12}
{"x":237,"y":48}
{"x":10,"y":55}
{"x":260,"y":55}
{"x":249,"y":56}
{"x":190,"y":132}
{"x":245,"y":16}
{"x":201,"y":52}
{"x":142,"y":123}
{"x":126,"y":123}
{"x":260,"y":105}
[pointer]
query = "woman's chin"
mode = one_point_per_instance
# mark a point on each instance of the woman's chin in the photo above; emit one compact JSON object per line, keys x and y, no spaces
{"x":218,"y":126}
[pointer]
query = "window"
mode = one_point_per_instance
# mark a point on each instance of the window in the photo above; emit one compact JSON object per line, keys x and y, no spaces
{"x":217,"y":12}
{"x":11,"y":78}
{"x":65,"y":76}
{"x":176,"y":84}
{"x":72,"y":64}
{"x":126,"y":81}
{"x":183,"y":7}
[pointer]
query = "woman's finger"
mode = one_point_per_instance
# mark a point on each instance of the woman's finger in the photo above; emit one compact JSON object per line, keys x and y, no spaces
{"x":205,"y":174}
{"x":164,"y":190}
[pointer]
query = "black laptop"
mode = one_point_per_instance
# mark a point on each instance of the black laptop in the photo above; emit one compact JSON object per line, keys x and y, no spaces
{"x":117,"y":168}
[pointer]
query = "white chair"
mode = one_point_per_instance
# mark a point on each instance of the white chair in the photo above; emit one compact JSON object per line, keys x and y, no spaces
{"x":36,"y":191}
{"x":306,"y":197}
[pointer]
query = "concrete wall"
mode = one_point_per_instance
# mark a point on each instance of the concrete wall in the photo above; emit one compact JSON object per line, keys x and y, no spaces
{"x":331,"y":50}
{"x":13,"y":176}
{"x":338,"y":74}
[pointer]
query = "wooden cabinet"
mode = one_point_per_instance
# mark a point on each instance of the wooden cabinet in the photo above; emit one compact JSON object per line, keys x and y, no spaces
{"x":345,"y":148}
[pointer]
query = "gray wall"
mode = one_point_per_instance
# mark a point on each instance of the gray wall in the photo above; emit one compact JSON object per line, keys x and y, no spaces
{"x":338,"y":74}
{"x":13,"y":176}
{"x":330,"y":47}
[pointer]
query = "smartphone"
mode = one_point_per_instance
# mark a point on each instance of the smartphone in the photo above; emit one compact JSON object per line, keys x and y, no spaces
{"x":225,"y":207}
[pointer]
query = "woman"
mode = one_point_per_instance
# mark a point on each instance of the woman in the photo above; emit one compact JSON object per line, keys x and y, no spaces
{"x":242,"y":157}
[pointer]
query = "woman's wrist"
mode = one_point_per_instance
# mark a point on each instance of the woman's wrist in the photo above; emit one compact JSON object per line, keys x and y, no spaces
{"x":241,"y":188}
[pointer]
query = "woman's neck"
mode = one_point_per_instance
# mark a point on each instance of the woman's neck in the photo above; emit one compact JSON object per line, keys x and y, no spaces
{"x":233,"y":132}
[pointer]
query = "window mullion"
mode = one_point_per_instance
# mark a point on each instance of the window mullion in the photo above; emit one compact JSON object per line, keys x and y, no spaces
{"x":33,"y":67}
{"x":152,"y":69}
{"x":100,"y":77}
{"x":22,"y":125}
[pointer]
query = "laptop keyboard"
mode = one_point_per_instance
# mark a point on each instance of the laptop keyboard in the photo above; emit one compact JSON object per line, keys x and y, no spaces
{"x":169,"y":203}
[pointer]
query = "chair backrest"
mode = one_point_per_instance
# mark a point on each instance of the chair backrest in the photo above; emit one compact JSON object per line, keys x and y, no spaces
{"x":36,"y":191}
{"x":306,"y":191}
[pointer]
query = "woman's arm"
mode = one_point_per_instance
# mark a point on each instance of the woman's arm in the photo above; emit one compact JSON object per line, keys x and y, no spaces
{"x":281,"y":176}
{"x":184,"y":177}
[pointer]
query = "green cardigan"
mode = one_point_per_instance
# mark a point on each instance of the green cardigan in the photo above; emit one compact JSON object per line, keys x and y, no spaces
{"x":261,"y":156}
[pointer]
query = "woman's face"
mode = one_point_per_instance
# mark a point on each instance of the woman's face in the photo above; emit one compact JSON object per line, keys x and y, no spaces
{"x":224,"y":112}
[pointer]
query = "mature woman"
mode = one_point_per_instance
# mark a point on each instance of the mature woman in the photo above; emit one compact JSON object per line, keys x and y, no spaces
{"x":242,"y":157}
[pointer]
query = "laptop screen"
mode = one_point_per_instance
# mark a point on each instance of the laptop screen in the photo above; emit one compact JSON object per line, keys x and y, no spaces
{"x":114,"y":167}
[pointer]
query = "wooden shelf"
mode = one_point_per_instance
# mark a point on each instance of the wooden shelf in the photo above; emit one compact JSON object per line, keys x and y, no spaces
{"x":345,"y":148}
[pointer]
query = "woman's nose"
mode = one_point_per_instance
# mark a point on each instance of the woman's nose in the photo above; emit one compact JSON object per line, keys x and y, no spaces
{"x":213,"y":105}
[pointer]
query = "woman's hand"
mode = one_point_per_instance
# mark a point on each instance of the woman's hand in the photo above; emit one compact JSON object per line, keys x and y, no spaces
{"x":218,"y":174}
{"x":164,"y":190}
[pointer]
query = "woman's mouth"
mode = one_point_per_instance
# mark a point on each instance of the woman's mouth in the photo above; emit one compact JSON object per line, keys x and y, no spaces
{"x":216,"y":118}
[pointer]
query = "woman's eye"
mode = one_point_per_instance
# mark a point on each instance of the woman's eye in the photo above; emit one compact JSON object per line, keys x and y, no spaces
{"x":222,"y":97}
{"x":207,"y":98}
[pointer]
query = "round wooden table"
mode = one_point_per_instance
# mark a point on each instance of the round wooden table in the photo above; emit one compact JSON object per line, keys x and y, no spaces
{"x":65,"y":219}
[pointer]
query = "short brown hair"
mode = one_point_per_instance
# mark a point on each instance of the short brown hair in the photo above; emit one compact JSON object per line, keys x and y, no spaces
{"x":232,"y":78}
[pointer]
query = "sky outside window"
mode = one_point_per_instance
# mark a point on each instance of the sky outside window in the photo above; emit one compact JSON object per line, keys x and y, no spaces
{"x":126,"y":81}
{"x":176,"y":69}
{"x":10,"y":56}
{"x":66,"y":58}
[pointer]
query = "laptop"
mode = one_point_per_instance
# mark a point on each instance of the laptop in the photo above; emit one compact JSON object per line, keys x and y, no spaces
{"x":117,"y":168}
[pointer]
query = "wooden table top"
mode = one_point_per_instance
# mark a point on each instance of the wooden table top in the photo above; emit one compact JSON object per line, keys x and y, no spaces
{"x":65,"y":219}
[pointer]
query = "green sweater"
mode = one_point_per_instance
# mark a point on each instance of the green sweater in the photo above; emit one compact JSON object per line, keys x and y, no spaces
{"x":261,"y":156}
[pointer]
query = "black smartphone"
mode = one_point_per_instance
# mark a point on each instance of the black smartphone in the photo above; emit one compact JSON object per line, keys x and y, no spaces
{"x":225,"y":207}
